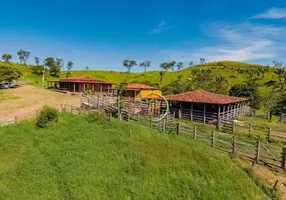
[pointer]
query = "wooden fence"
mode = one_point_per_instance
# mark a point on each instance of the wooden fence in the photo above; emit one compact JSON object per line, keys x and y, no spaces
{"x":257,"y":151}
{"x":270,"y":155}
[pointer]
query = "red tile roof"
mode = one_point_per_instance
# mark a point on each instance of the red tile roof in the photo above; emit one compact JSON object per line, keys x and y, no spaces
{"x":83,"y":79}
{"x":201,"y":96}
{"x":139,"y":86}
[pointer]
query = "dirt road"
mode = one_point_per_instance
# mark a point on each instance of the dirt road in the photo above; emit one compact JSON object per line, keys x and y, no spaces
{"x":30,"y":99}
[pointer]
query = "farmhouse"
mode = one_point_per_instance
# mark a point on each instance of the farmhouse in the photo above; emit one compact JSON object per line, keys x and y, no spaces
{"x":80,"y":84}
{"x":206,"y":107}
{"x":140,"y":91}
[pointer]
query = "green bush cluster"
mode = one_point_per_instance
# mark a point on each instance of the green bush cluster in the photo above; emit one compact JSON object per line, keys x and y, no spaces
{"x":94,"y":117}
{"x":47,"y":116}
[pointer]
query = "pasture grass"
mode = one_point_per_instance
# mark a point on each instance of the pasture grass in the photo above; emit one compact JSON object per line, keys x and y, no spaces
{"x":77,"y":159}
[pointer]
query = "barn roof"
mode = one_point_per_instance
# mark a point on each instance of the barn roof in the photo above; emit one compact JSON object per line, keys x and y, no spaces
{"x":83,"y":79}
{"x":201,"y":96}
{"x":136,"y":86}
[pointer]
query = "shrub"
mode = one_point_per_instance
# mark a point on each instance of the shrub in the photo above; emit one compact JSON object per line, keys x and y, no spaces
{"x":95,"y":117}
{"x":46,"y":116}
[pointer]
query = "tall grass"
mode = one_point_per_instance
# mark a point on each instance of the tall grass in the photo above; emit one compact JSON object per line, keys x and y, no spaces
{"x":77,"y":159}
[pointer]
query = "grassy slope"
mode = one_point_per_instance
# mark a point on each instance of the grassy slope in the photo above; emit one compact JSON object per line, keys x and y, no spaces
{"x":228,"y":70}
{"x":79,"y":160}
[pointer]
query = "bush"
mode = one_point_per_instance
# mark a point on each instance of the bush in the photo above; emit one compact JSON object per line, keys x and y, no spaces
{"x":47,"y":116}
{"x":95,"y":117}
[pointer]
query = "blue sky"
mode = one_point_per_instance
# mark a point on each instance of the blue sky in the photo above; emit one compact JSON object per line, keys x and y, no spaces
{"x":101,"y":34}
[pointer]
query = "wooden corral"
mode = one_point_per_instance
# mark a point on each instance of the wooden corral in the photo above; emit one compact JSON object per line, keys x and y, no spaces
{"x":206,"y":107}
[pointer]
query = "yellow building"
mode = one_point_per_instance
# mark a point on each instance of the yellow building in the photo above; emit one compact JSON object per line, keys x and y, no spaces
{"x":141,"y":91}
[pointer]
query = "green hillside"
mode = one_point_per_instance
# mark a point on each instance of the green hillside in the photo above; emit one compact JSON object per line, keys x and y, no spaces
{"x":74,"y":159}
{"x":234,"y":72}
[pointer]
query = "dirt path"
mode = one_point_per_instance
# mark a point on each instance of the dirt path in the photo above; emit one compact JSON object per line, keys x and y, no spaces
{"x":30,"y":99}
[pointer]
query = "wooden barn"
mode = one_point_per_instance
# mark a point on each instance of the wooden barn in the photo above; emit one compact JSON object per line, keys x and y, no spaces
{"x":80,"y":84}
{"x":207,"y":107}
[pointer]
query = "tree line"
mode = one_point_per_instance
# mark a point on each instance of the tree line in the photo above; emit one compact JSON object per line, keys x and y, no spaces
{"x":166,"y":66}
{"x":49,"y":65}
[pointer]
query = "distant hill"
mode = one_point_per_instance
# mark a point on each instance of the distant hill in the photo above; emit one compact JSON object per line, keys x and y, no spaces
{"x":235,"y":73}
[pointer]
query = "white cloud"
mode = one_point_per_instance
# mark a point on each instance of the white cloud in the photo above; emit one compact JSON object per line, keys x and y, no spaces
{"x":272,"y":13}
{"x":240,"y":42}
{"x":160,"y":27}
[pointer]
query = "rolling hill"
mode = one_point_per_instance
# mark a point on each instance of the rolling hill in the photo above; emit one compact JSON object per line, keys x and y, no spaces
{"x":235,"y":73}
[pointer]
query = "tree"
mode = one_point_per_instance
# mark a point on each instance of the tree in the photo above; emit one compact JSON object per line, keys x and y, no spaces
{"x":54,"y":67}
{"x":165,"y":66}
{"x":202,"y":60}
{"x":178,"y":86}
{"x":161,"y":76}
{"x":129,"y":64}
{"x":191,"y":63}
{"x":203,"y":79}
{"x":37,"y":69}
{"x":280,"y":106}
{"x":23,"y":56}
{"x":6,"y":57}
{"x":8,"y":74}
{"x":168,"y":65}
{"x":249,"y":91}
{"x":180,"y":65}
{"x":59,"y":63}
{"x":280,"y":73}
{"x":145,"y":64}
{"x":270,"y":102}
{"x":172,"y":65}
{"x":69,"y":65}
{"x":221,"y":85}
{"x":262,"y":71}
{"x":86,"y":68}
{"x":37,"y":60}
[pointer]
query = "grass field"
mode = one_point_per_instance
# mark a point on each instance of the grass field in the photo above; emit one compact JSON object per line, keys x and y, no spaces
{"x":75,"y":159}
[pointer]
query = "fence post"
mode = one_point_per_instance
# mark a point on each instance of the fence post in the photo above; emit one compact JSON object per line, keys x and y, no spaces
{"x":233,"y":127}
{"x":110,"y":116}
{"x":16,"y":119}
{"x":213,"y":139}
{"x":233,"y":144}
{"x":269,"y":134}
{"x":178,"y":129}
{"x":195,"y":133}
{"x":249,"y":128}
{"x":138,"y":117}
{"x":258,"y":151}
{"x":284,"y":159}
{"x":164,"y":125}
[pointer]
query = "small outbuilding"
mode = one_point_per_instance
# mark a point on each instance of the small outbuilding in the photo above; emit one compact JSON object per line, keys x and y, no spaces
{"x":80,"y":84}
{"x":207,"y":107}
{"x":140,"y":91}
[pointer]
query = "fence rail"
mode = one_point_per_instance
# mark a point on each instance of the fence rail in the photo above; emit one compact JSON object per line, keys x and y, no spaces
{"x":270,"y":155}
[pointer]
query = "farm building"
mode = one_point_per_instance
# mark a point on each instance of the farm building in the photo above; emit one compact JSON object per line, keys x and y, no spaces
{"x":80,"y":84}
{"x":140,"y":91}
{"x":207,"y":107}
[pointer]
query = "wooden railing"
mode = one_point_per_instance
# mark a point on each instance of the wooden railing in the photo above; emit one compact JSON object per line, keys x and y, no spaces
{"x":270,"y":155}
